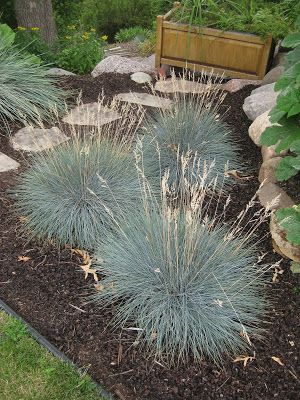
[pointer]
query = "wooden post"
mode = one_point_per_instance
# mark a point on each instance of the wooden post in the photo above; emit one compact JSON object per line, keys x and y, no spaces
{"x":159,"y":32}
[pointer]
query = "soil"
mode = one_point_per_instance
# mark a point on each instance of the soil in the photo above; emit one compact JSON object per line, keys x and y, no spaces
{"x":49,"y":292}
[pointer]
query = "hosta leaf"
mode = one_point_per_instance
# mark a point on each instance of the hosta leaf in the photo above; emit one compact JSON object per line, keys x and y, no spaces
{"x":295,"y":162}
{"x":285,"y":170}
{"x":296,"y":146}
{"x":291,"y":40}
{"x":292,"y":57}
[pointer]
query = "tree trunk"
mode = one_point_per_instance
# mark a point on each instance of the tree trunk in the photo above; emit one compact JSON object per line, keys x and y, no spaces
{"x":37,"y":13}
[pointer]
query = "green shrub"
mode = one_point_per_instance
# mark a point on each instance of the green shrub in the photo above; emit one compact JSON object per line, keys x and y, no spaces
{"x":26,"y":93}
{"x":188,"y":286}
{"x":111,"y":16}
{"x":193,"y":129}
{"x":80,"y":51}
{"x":32,"y":42}
{"x":76,"y":193}
{"x":127,"y":34}
{"x":286,"y":113}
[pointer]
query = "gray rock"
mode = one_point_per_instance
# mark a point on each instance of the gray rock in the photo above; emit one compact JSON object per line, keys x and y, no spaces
{"x":272,"y":197}
{"x":279,"y":237}
{"x":59,"y":72}
{"x":235,"y":85}
{"x":279,"y":59}
{"x":7,"y":163}
{"x":145,"y":99}
{"x":121,"y":65}
{"x":37,"y":139}
{"x":91,"y":114}
{"x":150,"y":61}
{"x":260,"y":101}
{"x":273,"y":75}
{"x":267,"y":172}
{"x":141,"y":77}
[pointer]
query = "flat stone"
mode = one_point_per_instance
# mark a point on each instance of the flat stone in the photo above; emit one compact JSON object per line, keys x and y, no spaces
{"x":121,"y":65}
{"x":273,"y":75}
{"x":59,"y":72}
{"x":150,"y":61}
{"x":234,"y":85}
{"x":279,"y":59}
{"x":173,"y":85}
{"x":279,"y":237}
{"x":37,"y":139}
{"x":268,"y":152}
{"x":258,"y":126}
{"x":261,"y":100}
{"x":91,"y":114}
{"x":273,"y":197}
{"x":145,"y":99}
{"x":7,"y":163}
{"x":141,"y":77}
{"x":267,"y":172}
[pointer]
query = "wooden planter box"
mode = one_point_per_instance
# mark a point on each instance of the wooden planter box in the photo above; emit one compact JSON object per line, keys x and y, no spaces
{"x":234,"y":54}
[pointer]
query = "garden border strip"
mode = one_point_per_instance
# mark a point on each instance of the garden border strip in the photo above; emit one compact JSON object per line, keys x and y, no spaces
{"x":50,"y":347}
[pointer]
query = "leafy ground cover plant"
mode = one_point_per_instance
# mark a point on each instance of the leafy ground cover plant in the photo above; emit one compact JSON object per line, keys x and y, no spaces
{"x":187,"y":284}
{"x":80,"y":51}
{"x":191,"y":128}
{"x":27,"y":94}
{"x":286,"y":113}
{"x":261,"y":17}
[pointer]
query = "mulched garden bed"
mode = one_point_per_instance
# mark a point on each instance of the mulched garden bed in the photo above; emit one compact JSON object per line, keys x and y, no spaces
{"x":49,"y":292}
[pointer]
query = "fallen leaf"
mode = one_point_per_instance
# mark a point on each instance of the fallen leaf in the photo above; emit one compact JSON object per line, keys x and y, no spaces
{"x":99,"y":287}
{"x":278,"y":271}
{"x":245,"y":359}
{"x":276,"y":359}
{"x":23,"y":219}
{"x":87,"y":262}
{"x":24,"y":258}
{"x":236,"y":175}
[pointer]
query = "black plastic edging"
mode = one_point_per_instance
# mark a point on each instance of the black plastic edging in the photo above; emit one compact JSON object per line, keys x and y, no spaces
{"x":47,"y":345}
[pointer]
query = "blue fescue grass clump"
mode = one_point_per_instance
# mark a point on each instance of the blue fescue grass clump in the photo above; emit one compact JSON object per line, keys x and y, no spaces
{"x":189,"y":285}
{"x":27,"y":94}
{"x":76,"y":193}
{"x":191,"y":128}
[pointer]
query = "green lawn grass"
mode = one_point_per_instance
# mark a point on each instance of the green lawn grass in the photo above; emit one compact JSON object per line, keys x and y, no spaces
{"x":29,"y":372}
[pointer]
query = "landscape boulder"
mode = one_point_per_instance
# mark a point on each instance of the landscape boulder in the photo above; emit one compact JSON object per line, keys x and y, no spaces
{"x":121,"y":65}
{"x":273,"y":75}
{"x":273,"y":197}
{"x":261,"y":100}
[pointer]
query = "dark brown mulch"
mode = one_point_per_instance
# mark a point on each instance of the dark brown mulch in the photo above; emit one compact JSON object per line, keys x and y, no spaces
{"x":47,"y":288}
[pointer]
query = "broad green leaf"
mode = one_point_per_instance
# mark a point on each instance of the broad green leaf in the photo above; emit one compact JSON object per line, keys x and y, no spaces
{"x":276,"y":114}
{"x":271,"y":135}
{"x":296,"y":147}
{"x":295,"y":162}
{"x":284,"y":170}
{"x":294,"y":110}
{"x":292,"y":57}
{"x":291,"y":40}
{"x":289,"y":220}
{"x":7,"y":35}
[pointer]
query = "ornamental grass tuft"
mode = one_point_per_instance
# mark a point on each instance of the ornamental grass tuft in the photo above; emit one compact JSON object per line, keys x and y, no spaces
{"x":27,"y":94}
{"x":188,"y":284}
{"x":191,"y":127}
{"x":76,"y":193}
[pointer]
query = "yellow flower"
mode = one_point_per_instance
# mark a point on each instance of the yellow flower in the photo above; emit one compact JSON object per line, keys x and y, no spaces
{"x":104,"y":37}
{"x":93,"y":30}
{"x":35,"y":28}
{"x":68,"y":37}
{"x":21,"y":28}
{"x":85,"y":37}
{"x":72,"y":27}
